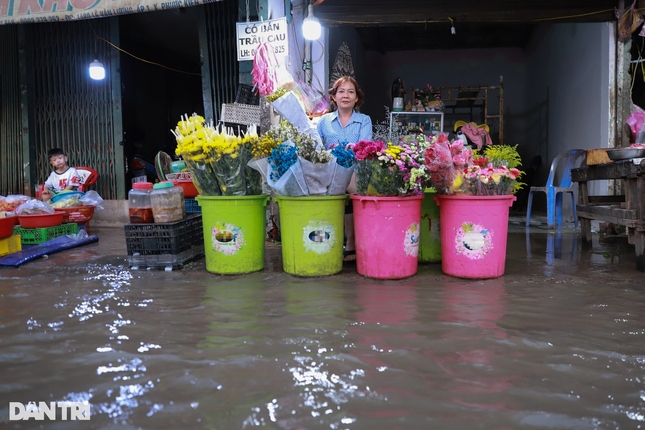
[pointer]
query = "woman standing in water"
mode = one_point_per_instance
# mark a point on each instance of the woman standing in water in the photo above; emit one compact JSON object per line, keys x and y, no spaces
{"x":342,"y":126}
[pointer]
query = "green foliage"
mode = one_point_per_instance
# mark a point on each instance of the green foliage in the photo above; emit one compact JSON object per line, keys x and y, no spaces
{"x":503,"y":155}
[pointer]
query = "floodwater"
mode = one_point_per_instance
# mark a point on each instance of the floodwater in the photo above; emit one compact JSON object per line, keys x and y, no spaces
{"x":556,"y":343}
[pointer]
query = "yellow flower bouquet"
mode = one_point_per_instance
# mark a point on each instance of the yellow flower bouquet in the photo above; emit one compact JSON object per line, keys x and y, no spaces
{"x":217,"y":157}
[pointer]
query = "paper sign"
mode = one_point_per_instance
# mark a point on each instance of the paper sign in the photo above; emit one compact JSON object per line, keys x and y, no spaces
{"x":251,"y":34}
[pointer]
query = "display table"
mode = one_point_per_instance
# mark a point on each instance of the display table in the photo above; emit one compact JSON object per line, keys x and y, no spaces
{"x":627,"y":210}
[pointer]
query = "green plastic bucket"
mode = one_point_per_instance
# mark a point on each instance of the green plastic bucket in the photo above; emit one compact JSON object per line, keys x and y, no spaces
{"x":430,"y":241}
{"x":234,"y":232}
{"x":312,"y":234}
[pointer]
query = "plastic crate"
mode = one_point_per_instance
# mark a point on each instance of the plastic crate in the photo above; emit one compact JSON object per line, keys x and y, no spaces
{"x":9,"y":245}
{"x":165,"y":261}
{"x":164,"y":238}
{"x":192,"y":207}
{"x":237,"y":113}
{"x":36,"y":236}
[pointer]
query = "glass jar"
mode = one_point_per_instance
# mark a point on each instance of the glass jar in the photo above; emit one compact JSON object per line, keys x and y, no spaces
{"x":139,"y":204}
{"x":167,"y":202}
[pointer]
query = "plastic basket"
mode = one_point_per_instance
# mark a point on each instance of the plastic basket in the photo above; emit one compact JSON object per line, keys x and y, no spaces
{"x":77,"y":214}
{"x":167,"y":238}
{"x":246,"y":95}
{"x":240,"y":113}
{"x":192,"y":207}
{"x":10,"y":245}
{"x":165,"y":261}
{"x":36,"y":236}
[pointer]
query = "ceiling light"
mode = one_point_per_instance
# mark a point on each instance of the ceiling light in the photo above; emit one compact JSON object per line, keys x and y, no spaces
{"x":97,"y":71}
{"x":311,"y":28}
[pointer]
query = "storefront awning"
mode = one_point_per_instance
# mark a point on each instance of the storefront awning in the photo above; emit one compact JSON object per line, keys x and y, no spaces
{"x":34,"y":11}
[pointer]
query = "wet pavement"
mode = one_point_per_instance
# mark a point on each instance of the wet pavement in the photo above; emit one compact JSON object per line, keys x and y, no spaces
{"x":554,"y":343}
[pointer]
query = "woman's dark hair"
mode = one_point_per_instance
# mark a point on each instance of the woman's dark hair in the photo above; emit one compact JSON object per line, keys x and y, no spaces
{"x":341,"y":81}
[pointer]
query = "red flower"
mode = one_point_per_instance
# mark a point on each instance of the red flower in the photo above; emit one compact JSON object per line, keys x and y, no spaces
{"x":480,"y":161}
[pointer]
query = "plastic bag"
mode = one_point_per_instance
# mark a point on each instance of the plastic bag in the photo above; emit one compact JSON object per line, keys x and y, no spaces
{"x":92,"y":198}
{"x":68,"y":202}
{"x":628,"y":21}
{"x":17,"y":199}
{"x":11,"y":202}
{"x":636,"y":122}
{"x":34,"y":207}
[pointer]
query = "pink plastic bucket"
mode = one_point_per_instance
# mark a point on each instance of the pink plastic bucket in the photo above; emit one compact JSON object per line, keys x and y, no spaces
{"x":387,"y":235}
{"x":473,"y":235}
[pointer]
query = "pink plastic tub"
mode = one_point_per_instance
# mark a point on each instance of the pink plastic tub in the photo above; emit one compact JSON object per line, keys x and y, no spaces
{"x":387,"y":233}
{"x":473,"y":235}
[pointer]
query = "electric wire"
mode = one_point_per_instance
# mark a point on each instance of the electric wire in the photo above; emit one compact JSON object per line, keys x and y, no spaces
{"x":146,"y":61}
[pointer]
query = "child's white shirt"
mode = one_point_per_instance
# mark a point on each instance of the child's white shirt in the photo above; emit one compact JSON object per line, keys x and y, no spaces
{"x":60,"y":181}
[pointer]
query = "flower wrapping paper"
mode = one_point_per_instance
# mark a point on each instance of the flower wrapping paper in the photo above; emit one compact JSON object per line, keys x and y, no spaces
{"x":291,"y":183}
{"x":317,"y":176}
{"x":340,"y":179}
{"x":290,"y":108}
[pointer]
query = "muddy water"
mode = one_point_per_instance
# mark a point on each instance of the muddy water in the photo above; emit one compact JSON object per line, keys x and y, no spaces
{"x":558,"y":342}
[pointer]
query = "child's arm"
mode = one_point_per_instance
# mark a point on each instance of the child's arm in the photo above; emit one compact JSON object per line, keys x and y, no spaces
{"x":46,"y":194}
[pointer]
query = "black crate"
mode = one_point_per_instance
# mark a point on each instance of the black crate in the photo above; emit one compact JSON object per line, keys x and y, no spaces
{"x":167,"y":261}
{"x":246,"y":95}
{"x":164,"y":238}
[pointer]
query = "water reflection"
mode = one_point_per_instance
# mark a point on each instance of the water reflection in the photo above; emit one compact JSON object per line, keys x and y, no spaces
{"x":183,"y":350}
{"x":314,"y":354}
{"x":472,"y":310}
{"x":559,"y":248}
{"x":235,"y":312}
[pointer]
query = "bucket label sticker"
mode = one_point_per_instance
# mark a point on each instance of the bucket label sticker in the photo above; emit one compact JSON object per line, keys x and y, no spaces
{"x":227,"y":238}
{"x":318,"y":237}
{"x":473,"y":240}
{"x":411,"y":241}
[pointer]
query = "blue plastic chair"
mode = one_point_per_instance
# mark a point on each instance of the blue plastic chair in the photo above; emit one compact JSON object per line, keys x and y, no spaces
{"x":560,"y":167}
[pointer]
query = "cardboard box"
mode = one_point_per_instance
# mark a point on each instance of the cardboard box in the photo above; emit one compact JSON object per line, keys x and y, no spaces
{"x":597,"y":156}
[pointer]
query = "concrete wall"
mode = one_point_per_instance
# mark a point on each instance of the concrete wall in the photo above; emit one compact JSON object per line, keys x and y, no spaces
{"x":567,"y":93}
{"x":556,"y":92}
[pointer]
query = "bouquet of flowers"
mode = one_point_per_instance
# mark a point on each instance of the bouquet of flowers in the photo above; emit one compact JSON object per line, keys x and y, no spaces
{"x":217,"y":158}
{"x":391,"y":169}
{"x":455,"y":169}
{"x":444,"y":160}
{"x":493,"y":174}
{"x":294,"y":164}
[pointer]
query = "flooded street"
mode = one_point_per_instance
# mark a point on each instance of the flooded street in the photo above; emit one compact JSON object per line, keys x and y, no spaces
{"x":556,"y":343}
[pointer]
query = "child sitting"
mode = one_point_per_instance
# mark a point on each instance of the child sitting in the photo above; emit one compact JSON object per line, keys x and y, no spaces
{"x":62,"y":178}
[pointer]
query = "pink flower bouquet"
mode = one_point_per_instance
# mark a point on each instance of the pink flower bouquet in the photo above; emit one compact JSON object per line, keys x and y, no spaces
{"x":444,"y":161}
{"x":455,"y":169}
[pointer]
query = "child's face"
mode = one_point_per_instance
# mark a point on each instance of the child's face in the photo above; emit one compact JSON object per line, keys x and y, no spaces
{"x":59,"y":162}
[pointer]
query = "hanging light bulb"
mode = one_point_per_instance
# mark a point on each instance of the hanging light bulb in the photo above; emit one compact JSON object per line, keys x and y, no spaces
{"x":311,"y":28}
{"x":97,"y":71}
{"x":453,"y":30}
